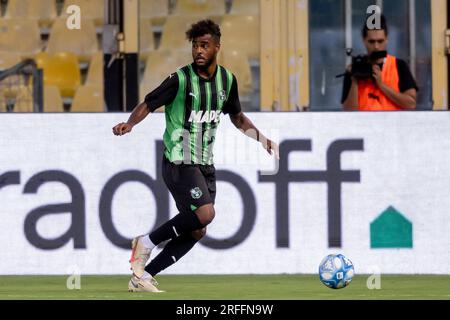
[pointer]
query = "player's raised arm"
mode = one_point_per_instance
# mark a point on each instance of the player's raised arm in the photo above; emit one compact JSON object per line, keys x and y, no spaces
{"x":161,"y":96}
{"x":139,"y":113}
{"x":243,"y":123}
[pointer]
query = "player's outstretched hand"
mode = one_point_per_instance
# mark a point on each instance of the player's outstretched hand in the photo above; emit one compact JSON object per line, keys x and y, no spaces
{"x":272,"y":148}
{"x":122,"y":128}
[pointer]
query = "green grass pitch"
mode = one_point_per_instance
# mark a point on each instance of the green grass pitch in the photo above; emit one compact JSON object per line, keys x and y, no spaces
{"x":226,"y":287}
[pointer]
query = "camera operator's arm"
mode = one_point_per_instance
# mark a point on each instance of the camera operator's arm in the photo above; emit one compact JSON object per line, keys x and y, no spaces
{"x":406,"y":100}
{"x":351,"y":102}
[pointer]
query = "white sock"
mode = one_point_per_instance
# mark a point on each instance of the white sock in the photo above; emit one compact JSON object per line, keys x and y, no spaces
{"x":145,"y":240}
{"x":146,"y":275}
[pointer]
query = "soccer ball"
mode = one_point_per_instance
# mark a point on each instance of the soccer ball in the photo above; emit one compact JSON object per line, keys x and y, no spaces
{"x":336,"y":271}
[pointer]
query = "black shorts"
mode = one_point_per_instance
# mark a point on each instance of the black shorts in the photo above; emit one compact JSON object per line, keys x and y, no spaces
{"x":192,"y":186}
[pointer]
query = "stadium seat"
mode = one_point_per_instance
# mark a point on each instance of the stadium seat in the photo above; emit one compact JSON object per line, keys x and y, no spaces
{"x":42,"y":59}
{"x":8,"y":86}
{"x":8,"y":60}
{"x":174,"y":32}
{"x":88,"y":99}
{"x":24,"y":99}
{"x":52,"y":99}
{"x":13,"y":32}
{"x":90,"y":9}
{"x":2,"y":100}
{"x":2,"y":104}
{"x":160,"y":64}
{"x":154,"y":10}
{"x":82,"y":42}
{"x":61,"y":70}
{"x":241,"y":32}
{"x":238,"y":64}
{"x":245,"y":7}
{"x":210,"y":8}
{"x":44,"y":11}
{"x":95,"y":71}
{"x":146,"y":39}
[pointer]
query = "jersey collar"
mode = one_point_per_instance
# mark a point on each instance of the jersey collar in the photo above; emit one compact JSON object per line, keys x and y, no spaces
{"x":194,"y":67}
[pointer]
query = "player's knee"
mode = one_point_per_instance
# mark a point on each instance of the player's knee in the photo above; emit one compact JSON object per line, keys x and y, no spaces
{"x":198,"y":234}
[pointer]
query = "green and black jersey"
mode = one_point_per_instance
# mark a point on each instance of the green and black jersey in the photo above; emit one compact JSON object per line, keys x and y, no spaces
{"x":193,"y":108}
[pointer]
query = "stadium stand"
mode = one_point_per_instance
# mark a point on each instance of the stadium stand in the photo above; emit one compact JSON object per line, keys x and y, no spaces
{"x":241,"y":32}
{"x":8,"y":59}
{"x":3,"y":99}
{"x":95,"y":72}
{"x":237,"y":63}
{"x":88,"y":99}
{"x":52,"y":99}
{"x":24,"y":100}
{"x":83,"y":42}
{"x":14,"y":79}
{"x":60,"y":69}
{"x":160,"y":64}
{"x":160,"y":53}
{"x":173,"y":36}
{"x":91,"y":10}
{"x":13,"y":29}
{"x":9,"y":87}
{"x":245,"y":7}
{"x":146,"y":39}
{"x":44,"y":11}
{"x":210,"y":8}
{"x":156,"y":11}
{"x":2,"y":103}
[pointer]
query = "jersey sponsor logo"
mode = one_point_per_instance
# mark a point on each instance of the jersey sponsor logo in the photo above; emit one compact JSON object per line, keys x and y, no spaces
{"x":222,"y":95}
{"x":204,"y":116}
{"x":196,"y":193}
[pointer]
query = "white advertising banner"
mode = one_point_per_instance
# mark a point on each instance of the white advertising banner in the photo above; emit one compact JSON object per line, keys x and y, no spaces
{"x":372,"y":186}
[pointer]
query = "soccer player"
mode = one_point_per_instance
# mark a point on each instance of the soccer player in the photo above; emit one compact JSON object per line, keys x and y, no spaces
{"x":194,"y":98}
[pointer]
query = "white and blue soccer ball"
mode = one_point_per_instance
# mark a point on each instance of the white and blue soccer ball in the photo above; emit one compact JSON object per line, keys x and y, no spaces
{"x":336,"y":271}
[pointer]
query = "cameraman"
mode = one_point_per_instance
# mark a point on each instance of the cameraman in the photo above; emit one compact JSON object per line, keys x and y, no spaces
{"x":391,"y":87}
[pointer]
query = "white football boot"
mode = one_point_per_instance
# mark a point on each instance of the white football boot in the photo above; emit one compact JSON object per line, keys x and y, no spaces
{"x":139,"y":257}
{"x":143,"y":285}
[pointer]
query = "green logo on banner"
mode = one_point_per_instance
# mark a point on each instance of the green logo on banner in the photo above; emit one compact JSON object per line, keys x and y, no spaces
{"x":391,"y":230}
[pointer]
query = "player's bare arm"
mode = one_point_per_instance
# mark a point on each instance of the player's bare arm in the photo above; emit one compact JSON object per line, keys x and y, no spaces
{"x":242,"y":122}
{"x":139,"y":113}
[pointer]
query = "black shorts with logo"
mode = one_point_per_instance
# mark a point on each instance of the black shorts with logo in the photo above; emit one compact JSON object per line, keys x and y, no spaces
{"x":191,"y":185}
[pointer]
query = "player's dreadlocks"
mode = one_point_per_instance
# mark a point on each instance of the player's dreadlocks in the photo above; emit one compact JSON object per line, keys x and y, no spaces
{"x":202,"y":28}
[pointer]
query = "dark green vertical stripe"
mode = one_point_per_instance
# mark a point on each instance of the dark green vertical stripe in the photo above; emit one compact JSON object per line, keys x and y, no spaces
{"x":214,"y":94}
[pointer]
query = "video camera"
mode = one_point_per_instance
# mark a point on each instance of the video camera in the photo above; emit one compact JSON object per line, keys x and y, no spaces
{"x":362,"y":64}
